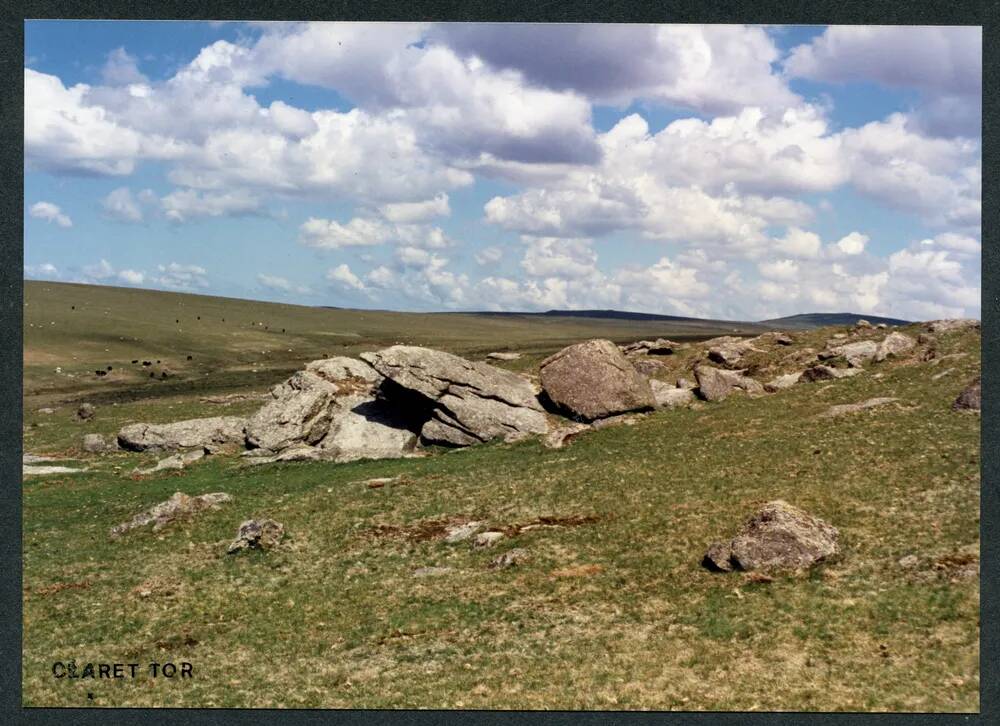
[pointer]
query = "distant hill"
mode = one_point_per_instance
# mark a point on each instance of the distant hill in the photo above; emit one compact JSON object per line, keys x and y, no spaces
{"x":806,"y":321}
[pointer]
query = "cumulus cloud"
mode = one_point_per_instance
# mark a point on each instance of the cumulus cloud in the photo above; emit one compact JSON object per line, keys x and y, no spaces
{"x":408,"y":212}
{"x":121,"y":69}
{"x":344,"y":278}
{"x":122,"y":206}
{"x":852,"y":244}
{"x":180,"y":277}
{"x":489,"y":255}
{"x":131,"y":277}
{"x":327,"y":234}
{"x":779,"y":269}
{"x":943,"y":63}
{"x":50,"y":213}
{"x":186,"y":204}
{"x":44,"y":271}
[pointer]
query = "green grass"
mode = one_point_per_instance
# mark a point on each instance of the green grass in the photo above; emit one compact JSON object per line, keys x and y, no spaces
{"x":333,"y":617}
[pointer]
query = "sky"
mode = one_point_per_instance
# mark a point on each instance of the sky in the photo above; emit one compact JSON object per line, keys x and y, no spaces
{"x":737,"y":172}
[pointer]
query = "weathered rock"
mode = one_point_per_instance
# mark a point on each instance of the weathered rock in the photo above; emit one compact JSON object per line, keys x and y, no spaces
{"x":299,"y":413}
{"x":258,"y":534}
{"x":846,"y":408}
{"x":349,"y":375}
{"x":179,"y":506}
{"x":949,"y":325}
{"x":622,"y":419}
{"x":778,"y":537}
{"x":469,"y":402}
{"x":827,"y":373}
{"x":862,"y":324}
{"x":971,"y":399}
{"x":894,"y":344}
{"x":461,"y":532}
{"x":667,"y":396}
{"x":85,"y":412}
{"x":42,"y":470}
{"x":503,"y":356}
{"x":660,"y":346}
{"x":298,"y":452}
{"x":729,"y":350}
{"x":95,"y":444}
{"x":782,"y":382}
{"x":364,"y":427}
{"x":783,"y":339}
{"x":175,"y":462}
{"x":645,"y":366}
{"x":199,"y":432}
{"x":488,"y":539}
{"x":511,"y":558}
{"x":881,"y":326}
{"x":855,"y":354}
{"x":559,"y":437}
{"x":715,"y":384}
{"x":594,"y":380}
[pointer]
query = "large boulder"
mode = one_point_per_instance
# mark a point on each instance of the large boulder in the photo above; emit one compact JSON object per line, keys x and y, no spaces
{"x":778,"y":537}
{"x":365,"y":427}
{"x":715,"y":384}
{"x":594,"y":380}
{"x":199,"y":432}
{"x":894,"y":344}
{"x":463,"y":402}
{"x":660,"y":346}
{"x":855,"y":354}
{"x":971,"y":399}
{"x":348,"y":374}
{"x":299,"y":412}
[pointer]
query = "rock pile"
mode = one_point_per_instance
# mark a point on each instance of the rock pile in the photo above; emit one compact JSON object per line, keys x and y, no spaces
{"x":193,"y":433}
{"x":179,"y":506}
{"x":258,"y":534}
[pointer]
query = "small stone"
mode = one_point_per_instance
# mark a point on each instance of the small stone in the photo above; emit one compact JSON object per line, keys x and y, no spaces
{"x":514,"y":557}
{"x":85,"y":412}
{"x":262,"y":534}
{"x":908,"y":562}
{"x":558,"y":438}
{"x":971,"y":399}
{"x":94,"y":444}
{"x":503,"y":356}
{"x":488,"y":539}
{"x":462,"y":532}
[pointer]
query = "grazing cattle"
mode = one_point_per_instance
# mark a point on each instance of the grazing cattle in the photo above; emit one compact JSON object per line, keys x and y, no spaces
{"x":157,"y":362}
{"x":152,"y":375}
{"x":163,"y":374}
{"x":189,"y":357}
{"x":282,"y":330}
{"x":109,"y":368}
{"x":135,"y":361}
{"x":147,"y":362}
{"x":72,"y":307}
{"x":101,"y":373}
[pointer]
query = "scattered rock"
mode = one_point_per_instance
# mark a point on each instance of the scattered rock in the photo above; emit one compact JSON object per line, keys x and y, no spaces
{"x":503,"y":356}
{"x":260,"y":534}
{"x":715,"y":384}
{"x":846,"y":408}
{"x":593,"y":380}
{"x":488,"y":539}
{"x":179,"y":506}
{"x":95,"y":444}
{"x":464,"y":402}
{"x":908,"y":562}
{"x":299,"y":413}
{"x":778,"y":537}
{"x":199,"y":432}
{"x":667,"y":396}
{"x":855,"y":353}
{"x":839,"y":336}
{"x":46,"y":410}
{"x":660,"y":346}
{"x":85,"y":412}
{"x":462,"y":532}
{"x":512,"y":558}
{"x":971,"y":399}
{"x":862,"y":324}
{"x":952,"y":324}
{"x":827,"y":373}
{"x":175,"y":462}
{"x":729,"y":350}
{"x":894,"y":344}
{"x":623,"y":419}
{"x":942,"y":374}
{"x":559,"y":437}
{"x":783,"y":339}
{"x":35,"y":470}
{"x":782,"y":382}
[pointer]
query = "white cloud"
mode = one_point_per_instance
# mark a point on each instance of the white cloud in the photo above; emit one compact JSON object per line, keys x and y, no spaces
{"x":45,"y":271}
{"x":562,"y":258}
{"x":779,"y":269}
{"x":327,"y":234}
{"x":131,"y":277}
{"x":409,"y":212}
{"x":121,"y":69}
{"x":489,"y":255}
{"x":343,"y":277}
{"x":101,"y":271}
{"x":50,"y":213}
{"x":180,"y":277}
{"x":852,"y":244}
{"x":799,"y":243}
{"x":120,"y":205}
{"x":186,"y":204}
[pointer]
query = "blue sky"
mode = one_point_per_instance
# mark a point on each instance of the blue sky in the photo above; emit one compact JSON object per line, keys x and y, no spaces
{"x":717,"y":171}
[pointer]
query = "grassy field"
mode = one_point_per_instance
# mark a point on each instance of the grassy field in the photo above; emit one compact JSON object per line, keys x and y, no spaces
{"x":611,"y":611}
